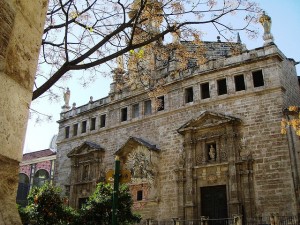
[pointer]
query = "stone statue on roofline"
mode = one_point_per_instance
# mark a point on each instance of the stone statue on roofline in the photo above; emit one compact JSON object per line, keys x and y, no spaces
{"x":67,"y":95}
{"x":266,"y":22}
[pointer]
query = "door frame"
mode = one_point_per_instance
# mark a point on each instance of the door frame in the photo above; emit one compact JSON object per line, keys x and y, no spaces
{"x":200,"y":198}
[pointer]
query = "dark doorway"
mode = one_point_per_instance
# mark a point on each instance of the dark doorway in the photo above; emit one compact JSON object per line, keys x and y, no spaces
{"x":81,"y":202}
{"x":214,"y":202}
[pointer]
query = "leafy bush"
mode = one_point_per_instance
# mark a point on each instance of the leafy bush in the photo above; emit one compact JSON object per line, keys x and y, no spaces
{"x":46,"y":207}
{"x":23,"y":214}
{"x":98,"y":209}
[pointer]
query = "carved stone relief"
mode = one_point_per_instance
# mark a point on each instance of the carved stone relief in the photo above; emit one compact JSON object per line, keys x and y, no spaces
{"x":199,"y":158}
{"x":141,"y":159}
{"x":244,"y":152}
{"x":213,"y":174}
{"x":140,"y":165}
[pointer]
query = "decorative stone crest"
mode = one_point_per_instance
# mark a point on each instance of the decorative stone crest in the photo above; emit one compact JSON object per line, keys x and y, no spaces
{"x":212,"y":178}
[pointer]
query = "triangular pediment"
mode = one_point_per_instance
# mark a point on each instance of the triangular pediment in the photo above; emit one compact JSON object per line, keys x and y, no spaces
{"x":207,"y":119}
{"x":85,"y":148}
{"x":133,"y":143}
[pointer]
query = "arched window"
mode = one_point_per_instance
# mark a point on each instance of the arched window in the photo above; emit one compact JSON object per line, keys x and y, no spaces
{"x":23,"y":189}
{"x":40,"y":177}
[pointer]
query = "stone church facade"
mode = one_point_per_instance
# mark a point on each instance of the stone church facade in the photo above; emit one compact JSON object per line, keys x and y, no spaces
{"x":212,"y":148}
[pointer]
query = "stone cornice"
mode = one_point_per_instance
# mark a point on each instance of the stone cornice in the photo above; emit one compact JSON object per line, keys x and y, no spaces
{"x":38,"y":160}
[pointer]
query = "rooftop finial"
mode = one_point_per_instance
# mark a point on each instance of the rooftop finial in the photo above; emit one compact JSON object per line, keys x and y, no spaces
{"x":238,"y":38}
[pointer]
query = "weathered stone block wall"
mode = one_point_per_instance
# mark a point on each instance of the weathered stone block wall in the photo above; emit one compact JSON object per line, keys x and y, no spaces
{"x":20,"y":38}
{"x":259,"y":109}
{"x":288,"y":78}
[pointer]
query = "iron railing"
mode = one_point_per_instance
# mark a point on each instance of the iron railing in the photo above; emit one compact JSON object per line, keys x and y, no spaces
{"x":224,"y":221}
{"x":278,"y":220}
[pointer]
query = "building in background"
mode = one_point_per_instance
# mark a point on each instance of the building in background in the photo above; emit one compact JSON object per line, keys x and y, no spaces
{"x":36,"y":168}
{"x":211,"y":148}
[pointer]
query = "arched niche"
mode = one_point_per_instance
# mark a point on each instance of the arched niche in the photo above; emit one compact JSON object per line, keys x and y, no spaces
{"x":40,"y":177}
{"x":23,"y":189}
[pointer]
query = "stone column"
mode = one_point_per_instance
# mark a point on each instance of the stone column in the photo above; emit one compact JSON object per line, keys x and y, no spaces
{"x":20,"y":39}
{"x":189,"y":146}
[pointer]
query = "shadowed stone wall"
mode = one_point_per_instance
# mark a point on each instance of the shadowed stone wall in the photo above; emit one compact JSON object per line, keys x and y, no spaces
{"x":20,"y":37}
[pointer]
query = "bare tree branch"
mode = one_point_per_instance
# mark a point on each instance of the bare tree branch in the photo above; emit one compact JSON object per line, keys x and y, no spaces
{"x":83,"y":35}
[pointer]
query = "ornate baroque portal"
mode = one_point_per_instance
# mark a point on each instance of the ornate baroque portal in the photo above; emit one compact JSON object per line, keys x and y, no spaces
{"x":141,"y":158}
{"x":87,"y":170}
{"x":210,"y":176}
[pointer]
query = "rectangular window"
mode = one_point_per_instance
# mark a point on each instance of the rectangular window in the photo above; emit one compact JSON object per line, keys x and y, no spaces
{"x":189,"y":95}
{"x":205,"y":90}
{"x":147,"y":107}
{"x":135,"y":111}
{"x":83,"y":126}
{"x":75,"y":129}
{"x":222,"y":86}
{"x":93,"y":124}
{"x":102,"y":120}
{"x":67,"y":132}
{"x":139,"y":195}
{"x":123,"y":114}
{"x":258,"y":79}
{"x":239,"y":83}
{"x":160,"y":103}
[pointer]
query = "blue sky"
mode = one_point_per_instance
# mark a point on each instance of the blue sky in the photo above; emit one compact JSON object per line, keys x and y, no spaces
{"x":285,"y":29}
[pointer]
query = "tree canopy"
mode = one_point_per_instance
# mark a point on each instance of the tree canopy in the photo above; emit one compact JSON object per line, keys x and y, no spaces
{"x":47,"y":206}
{"x":98,"y":209}
{"x":85,"y":35}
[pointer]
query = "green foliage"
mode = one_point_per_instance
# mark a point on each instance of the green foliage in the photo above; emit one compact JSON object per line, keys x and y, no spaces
{"x":23,"y":214}
{"x":98,"y":209}
{"x":46,"y":207}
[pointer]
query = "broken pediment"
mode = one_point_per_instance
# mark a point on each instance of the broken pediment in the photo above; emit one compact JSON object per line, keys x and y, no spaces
{"x":207,"y":119}
{"x":85,"y":148}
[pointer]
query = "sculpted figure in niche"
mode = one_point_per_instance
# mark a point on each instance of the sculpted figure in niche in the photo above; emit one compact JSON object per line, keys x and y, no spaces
{"x":212,"y":152}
